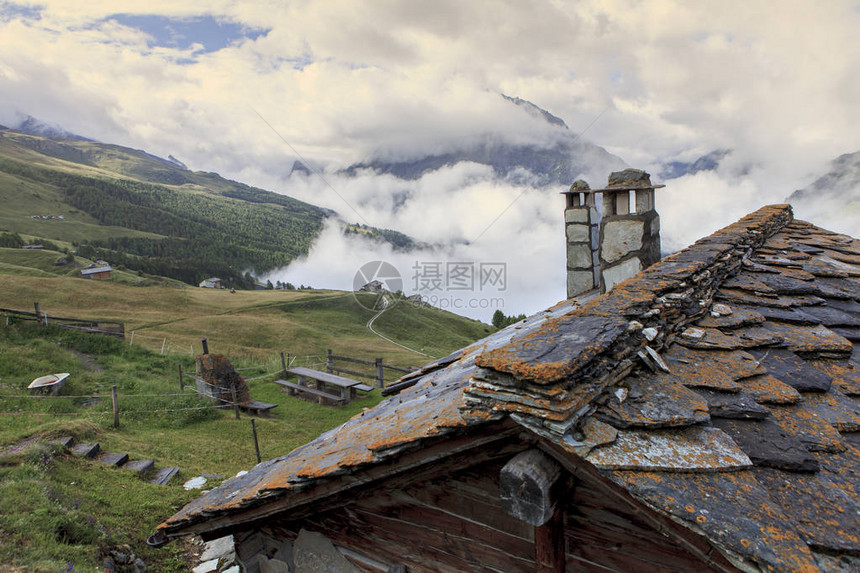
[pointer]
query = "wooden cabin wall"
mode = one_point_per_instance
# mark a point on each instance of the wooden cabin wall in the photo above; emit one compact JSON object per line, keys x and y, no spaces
{"x":602,"y":537}
{"x":449,"y":524}
{"x":456,"y":523}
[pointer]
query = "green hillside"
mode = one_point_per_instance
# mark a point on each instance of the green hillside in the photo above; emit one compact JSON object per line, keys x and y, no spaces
{"x":59,"y":511}
{"x":150,"y":215}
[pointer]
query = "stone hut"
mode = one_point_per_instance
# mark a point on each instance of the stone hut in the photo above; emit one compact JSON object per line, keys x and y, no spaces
{"x":701,"y":415}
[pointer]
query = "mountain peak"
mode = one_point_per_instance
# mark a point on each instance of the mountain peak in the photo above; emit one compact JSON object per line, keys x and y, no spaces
{"x":34,"y":126}
{"x":176,"y":162}
{"x":536,"y":111}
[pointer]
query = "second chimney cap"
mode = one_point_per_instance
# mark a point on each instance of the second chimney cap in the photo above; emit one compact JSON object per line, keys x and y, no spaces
{"x":579,"y":186}
{"x":629,"y":180}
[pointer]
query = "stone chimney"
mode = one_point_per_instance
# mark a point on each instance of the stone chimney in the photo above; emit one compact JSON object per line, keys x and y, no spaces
{"x":607,"y":246}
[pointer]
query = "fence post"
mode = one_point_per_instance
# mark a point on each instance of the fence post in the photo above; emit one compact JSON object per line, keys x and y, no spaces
{"x":235,"y":403}
{"x":181,"y":385}
{"x":205,"y":342}
{"x":38,"y":313}
{"x":380,"y":375}
{"x":115,"y":399}
{"x":163,"y":344}
{"x":131,"y":341}
{"x":283,"y":365}
{"x":256,"y":444}
{"x":329,"y":362}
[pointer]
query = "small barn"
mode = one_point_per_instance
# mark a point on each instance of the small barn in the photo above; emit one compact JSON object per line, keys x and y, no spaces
{"x":213,"y":282}
{"x":97,"y":273}
{"x":700,"y":416}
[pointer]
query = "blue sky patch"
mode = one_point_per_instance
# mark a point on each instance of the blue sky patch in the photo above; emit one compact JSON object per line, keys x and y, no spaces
{"x":182,"y":33}
{"x":11,"y":11}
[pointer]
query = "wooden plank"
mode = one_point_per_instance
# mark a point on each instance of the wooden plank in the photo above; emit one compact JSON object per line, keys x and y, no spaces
{"x":417,"y":557}
{"x":353,"y":372}
{"x":399,"y":506}
{"x":308,"y":390}
{"x":476,"y":498}
{"x":323,"y":377}
{"x":351,"y":359}
{"x":446,"y":542}
{"x":399,"y":369}
{"x":549,"y":544}
{"x":607,"y":535}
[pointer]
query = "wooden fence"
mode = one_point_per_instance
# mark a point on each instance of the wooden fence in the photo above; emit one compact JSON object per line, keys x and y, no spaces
{"x":106,"y":327}
{"x":376,"y":373}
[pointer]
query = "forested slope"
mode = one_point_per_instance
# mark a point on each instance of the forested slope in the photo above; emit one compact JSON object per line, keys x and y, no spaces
{"x":178,"y":223}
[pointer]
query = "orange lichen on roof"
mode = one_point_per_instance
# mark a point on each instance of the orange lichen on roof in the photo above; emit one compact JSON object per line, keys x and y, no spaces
{"x":691,"y":449}
{"x":738,"y":514}
{"x":747,"y":337}
{"x":654,"y":401}
{"x":835,"y":408}
{"x":815,"y":432}
{"x":594,"y":433}
{"x":845,"y":374}
{"x":716,"y":369}
{"x":768,"y":389}
{"x":739,"y":317}
{"x":559,"y":349}
{"x":810,"y":339}
{"x":825,"y":515}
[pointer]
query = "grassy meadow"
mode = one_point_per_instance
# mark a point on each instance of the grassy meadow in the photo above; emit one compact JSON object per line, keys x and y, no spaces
{"x":61,"y":513}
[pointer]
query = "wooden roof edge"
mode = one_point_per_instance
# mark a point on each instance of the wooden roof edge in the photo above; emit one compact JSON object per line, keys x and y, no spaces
{"x":470,"y":444}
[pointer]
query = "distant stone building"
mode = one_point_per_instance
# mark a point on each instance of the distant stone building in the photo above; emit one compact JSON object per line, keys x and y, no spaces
{"x":373,"y":286}
{"x":97,"y":273}
{"x":213,"y":282}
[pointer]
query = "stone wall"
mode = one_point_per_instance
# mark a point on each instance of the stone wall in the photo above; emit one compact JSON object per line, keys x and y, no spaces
{"x":270,"y":550}
{"x":581,"y":231}
{"x":608,"y":245}
{"x":629,"y":238}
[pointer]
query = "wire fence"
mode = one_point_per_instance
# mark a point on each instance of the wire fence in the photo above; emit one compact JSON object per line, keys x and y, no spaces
{"x":123,"y":403}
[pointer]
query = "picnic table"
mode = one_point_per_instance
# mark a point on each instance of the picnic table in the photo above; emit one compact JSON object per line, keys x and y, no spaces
{"x":319,"y":384}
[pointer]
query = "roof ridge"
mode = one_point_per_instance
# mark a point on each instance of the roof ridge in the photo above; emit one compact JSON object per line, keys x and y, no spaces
{"x":570,"y":359}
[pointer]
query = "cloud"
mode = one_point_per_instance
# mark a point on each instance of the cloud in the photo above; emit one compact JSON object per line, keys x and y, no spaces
{"x":345,"y":81}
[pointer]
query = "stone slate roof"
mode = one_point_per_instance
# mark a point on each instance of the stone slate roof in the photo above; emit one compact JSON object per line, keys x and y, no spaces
{"x":719,"y":387}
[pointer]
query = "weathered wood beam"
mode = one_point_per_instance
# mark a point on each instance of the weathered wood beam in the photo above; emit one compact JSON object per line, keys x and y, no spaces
{"x":530,"y":490}
{"x":549,"y":544}
{"x":527,"y":487}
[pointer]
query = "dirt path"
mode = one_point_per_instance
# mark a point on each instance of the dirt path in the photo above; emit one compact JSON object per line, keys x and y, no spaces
{"x":369,"y":325}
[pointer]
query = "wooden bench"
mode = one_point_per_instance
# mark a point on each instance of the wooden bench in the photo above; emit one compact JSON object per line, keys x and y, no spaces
{"x":255,"y":407}
{"x":347,"y":386}
{"x":294,"y":389}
